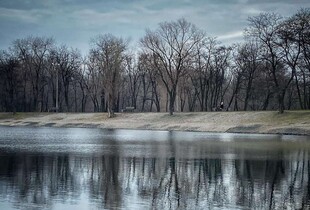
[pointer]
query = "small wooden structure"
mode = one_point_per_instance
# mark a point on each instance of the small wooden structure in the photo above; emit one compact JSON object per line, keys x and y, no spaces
{"x":129,"y":109}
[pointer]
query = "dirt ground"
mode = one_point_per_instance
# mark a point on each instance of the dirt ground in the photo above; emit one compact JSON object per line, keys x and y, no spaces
{"x":291,"y":122}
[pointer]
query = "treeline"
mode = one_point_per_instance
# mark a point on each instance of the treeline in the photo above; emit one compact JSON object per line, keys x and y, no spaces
{"x":176,"y":68}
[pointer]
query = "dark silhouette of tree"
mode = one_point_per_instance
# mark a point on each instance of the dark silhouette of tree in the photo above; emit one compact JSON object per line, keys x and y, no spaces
{"x":33,"y":53}
{"x":9,"y":82}
{"x":265,"y":28}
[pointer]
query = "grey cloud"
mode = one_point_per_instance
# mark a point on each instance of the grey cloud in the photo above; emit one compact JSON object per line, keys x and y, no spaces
{"x":74,"y":22}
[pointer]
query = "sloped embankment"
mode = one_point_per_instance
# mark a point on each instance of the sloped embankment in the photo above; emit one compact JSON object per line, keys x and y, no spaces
{"x":291,"y":122}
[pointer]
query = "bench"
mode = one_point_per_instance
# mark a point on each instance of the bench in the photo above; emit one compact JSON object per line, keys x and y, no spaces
{"x":129,"y":109}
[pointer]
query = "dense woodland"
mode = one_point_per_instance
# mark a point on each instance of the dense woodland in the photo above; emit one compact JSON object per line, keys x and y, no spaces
{"x":177,"y":67}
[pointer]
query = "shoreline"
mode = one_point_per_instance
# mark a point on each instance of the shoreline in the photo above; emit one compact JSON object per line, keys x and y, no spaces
{"x":141,"y":129}
{"x":250,"y":122}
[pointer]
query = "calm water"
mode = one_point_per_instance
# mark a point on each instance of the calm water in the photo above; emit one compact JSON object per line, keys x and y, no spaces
{"x":66,"y":168}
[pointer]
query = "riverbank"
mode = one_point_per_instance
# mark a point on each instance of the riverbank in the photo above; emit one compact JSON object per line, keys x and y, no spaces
{"x":267,"y":122}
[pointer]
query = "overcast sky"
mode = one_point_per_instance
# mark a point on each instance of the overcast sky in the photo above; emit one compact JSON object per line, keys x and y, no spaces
{"x":75,"y":22}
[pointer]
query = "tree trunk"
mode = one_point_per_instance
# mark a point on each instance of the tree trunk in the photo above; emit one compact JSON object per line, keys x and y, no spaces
{"x":298,"y":92}
{"x":247,"y":95}
{"x":103,"y":102}
{"x":110,"y":106}
{"x":266,"y":102}
{"x":172,"y":96}
{"x":281,"y":96}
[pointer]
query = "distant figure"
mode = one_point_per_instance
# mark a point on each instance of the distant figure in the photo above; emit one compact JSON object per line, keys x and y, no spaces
{"x":222,"y":106}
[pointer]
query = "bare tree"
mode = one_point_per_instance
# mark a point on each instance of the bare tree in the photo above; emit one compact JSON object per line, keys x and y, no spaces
{"x":219,"y":79}
{"x":33,"y":52}
{"x":177,"y":66}
{"x":93,"y":81}
{"x":69,"y":61}
{"x":295,"y":42}
{"x":246,"y":61}
{"x":132,"y":75}
{"x":109,"y":53}
{"x":150,"y":84}
{"x":81,"y":79}
{"x":10,"y":78}
{"x":238,"y":74}
{"x":172,"y":44}
{"x":204,"y":61}
{"x":145,"y":82}
{"x":265,"y":29}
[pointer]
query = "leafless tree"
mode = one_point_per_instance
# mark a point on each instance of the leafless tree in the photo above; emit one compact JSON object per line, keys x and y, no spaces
{"x":172,"y":44}
{"x":33,"y":52}
{"x":10,"y":79}
{"x":177,"y":68}
{"x":69,"y":61}
{"x":82,"y":81}
{"x":265,"y":28}
{"x":109,"y":54}
{"x":150,"y":81}
{"x":132,"y":75}
{"x":295,"y":42}
{"x":246,"y":59}
{"x":202,"y":68}
{"x":93,"y":81}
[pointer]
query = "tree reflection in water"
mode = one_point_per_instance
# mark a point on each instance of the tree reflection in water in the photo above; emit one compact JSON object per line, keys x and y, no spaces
{"x":115,"y":180}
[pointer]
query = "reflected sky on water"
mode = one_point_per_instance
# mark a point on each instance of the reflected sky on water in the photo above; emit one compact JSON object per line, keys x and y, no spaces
{"x":78,"y":168}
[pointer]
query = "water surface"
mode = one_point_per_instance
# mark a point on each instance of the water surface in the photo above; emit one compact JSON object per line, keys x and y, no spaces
{"x":79,"y":168}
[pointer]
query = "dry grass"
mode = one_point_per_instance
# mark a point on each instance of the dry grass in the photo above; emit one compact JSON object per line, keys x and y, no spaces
{"x":294,"y":122}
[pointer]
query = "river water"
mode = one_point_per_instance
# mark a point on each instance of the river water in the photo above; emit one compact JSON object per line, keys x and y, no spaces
{"x":80,"y":168}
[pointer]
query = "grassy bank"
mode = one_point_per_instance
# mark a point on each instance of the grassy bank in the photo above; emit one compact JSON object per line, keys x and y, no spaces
{"x":291,"y":122}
